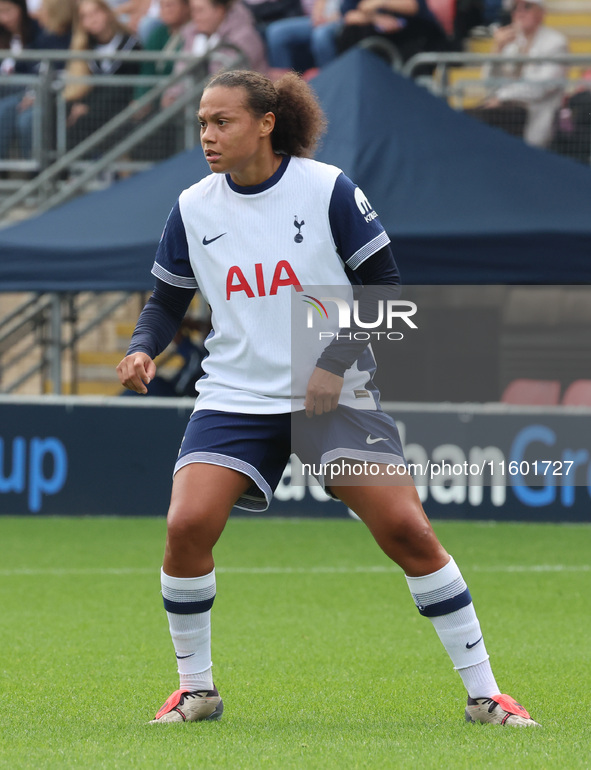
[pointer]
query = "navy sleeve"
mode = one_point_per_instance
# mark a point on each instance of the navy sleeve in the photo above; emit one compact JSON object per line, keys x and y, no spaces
{"x":160,"y":319}
{"x":355,"y":226}
{"x":172,"y":264}
{"x":378,"y":275}
{"x":381,"y":269}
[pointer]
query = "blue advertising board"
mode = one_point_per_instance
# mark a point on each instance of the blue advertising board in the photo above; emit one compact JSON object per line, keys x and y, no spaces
{"x":114,"y":456}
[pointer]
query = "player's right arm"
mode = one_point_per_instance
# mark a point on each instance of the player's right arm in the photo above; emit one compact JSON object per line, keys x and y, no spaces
{"x":157,"y":326}
{"x":163,"y":313}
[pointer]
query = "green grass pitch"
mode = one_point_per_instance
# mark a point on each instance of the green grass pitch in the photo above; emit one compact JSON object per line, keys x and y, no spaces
{"x":319,"y":653}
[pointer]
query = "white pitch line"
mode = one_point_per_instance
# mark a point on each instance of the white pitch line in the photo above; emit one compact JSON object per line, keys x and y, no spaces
{"x":379,"y":569}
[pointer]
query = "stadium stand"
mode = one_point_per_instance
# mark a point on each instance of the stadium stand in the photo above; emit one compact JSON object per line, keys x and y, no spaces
{"x":445,"y":11}
{"x":571,"y":17}
{"x":578,"y":393}
{"x":532,"y":392}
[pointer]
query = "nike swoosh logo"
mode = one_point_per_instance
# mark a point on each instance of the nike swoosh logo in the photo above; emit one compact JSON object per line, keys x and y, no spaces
{"x":469,"y":646}
{"x":370,"y":440}
{"x":182,"y":657}
{"x":206,"y":241}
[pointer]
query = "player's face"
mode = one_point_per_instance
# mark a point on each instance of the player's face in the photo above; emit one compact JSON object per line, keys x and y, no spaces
{"x":233,"y":139}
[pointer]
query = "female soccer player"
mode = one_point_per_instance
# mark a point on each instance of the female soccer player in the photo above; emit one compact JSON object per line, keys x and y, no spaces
{"x":267,"y":222}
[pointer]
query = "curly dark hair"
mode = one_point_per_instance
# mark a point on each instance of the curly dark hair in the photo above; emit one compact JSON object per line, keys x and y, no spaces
{"x":299,"y":120}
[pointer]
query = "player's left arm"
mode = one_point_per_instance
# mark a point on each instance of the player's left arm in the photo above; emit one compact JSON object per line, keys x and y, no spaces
{"x":378,"y":274}
{"x":363,"y":245}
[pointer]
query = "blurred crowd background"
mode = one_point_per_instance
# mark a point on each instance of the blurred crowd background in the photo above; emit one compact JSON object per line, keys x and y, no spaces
{"x":66,"y":71}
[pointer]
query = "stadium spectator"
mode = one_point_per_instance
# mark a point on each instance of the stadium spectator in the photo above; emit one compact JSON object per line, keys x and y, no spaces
{"x":213,"y":23}
{"x":33,"y":7}
{"x":408,"y":26}
{"x":303,"y":42}
{"x":477,"y":13}
{"x":175,"y":14}
{"x":141,"y":16}
{"x":527,"y":105}
{"x":149,"y":21}
{"x":18,"y":31}
{"x":100,"y":30}
{"x":573,"y":135}
{"x":132,"y":12}
{"x":267,"y":11}
{"x":117,"y":5}
{"x":166,"y":36}
{"x":56,"y":18}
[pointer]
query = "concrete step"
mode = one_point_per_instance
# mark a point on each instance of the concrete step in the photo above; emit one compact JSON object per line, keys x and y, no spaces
{"x":99,"y":358}
{"x":561,"y":19}
{"x":580,"y":46}
{"x":579,"y":42}
{"x":123,"y":332}
{"x":568,"y":6}
{"x":90,"y":388}
{"x":98,"y":367}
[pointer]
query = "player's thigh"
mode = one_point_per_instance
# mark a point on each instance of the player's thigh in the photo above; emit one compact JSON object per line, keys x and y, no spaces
{"x":394,"y":515}
{"x":383,"y":503}
{"x":202,"y":497}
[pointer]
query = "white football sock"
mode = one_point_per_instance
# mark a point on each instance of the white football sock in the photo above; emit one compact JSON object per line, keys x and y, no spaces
{"x":188,"y":604}
{"x":444,"y":598}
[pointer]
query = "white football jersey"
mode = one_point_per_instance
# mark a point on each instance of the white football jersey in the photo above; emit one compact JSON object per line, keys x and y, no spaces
{"x":256,"y":254}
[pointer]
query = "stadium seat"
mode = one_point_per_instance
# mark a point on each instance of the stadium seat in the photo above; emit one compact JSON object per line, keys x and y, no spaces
{"x":532,"y":392}
{"x":578,"y":393}
{"x":445,"y":11}
{"x":311,"y":73}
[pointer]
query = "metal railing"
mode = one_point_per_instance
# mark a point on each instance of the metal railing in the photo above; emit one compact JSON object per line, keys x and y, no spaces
{"x":53,"y":159}
{"x":35,"y":336}
{"x":42,"y":334}
{"x":467,"y":80}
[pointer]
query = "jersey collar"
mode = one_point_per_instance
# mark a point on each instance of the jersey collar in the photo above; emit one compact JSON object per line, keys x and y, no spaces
{"x":259,"y":188}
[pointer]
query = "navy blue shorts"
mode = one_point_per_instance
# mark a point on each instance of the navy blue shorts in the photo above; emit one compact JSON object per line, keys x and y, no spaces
{"x":259,"y":445}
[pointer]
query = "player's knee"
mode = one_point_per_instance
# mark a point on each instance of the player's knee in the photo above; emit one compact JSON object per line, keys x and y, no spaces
{"x":413,"y":536}
{"x":422,"y":539}
{"x":186,"y":524}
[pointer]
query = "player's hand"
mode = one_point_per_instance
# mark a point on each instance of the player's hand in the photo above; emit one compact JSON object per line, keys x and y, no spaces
{"x":322,"y":394}
{"x":136,"y":372}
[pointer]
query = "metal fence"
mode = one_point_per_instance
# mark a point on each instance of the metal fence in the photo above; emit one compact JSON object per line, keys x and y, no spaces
{"x":45,"y":132}
{"x":544,"y":100}
{"x":127,"y":125}
{"x":41,"y":334}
